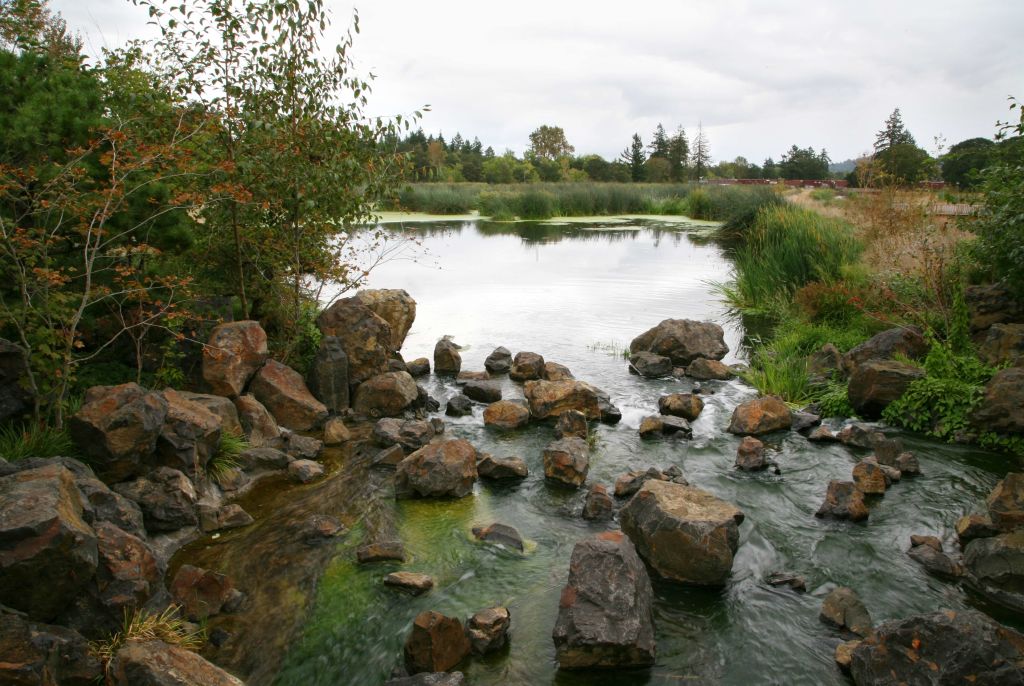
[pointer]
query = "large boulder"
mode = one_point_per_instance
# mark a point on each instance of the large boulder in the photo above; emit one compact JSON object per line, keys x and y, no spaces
{"x":447,"y":359}
{"x":483,"y":391}
{"x":394,"y":306}
{"x":48,"y":553}
{"x":411,"y":434}
{"x":507,"y":414}
{"x":32,"y":653}
{"x":552,"y":398}
{"x":704,"y":369}
{"x":527,"y":366}
{"x":572,"y":423}
{"x":234,"y":353}
{"x":259,"y":427}
{"x":155,"y":663}
{"x":995,"y":568}
{"x":843,"y":500}
{"x":14,"y":398}
{"x":906,"y":341}
{"x":992,"y":304}
{"x":499,"y":361}
{"x":190,"y":435}
{"x":1003,"y":345}
{"x":650,"y":365}
{"x":760,"y":416}
{"x":685,"y":405}
{"x":364,"y":335}
{"x":943,"y":647}
{"x":117,"y":428}
{"x":604,"y":614}
{"x":167,"y":499}
{"x":283,"y":392}
{"x":328,"y":375}
{"x":1006,"y":502}
{"x":488,"y":629}
{"x":556,"y":372}
{"x":566,"y":461}
{"x":684,"y":533}
{"x":682,"y":340}
{"x":442,"y":469}
{"x":436,"y":643}
{"x":220,"y":406}
{"x":876,"y":383}
{"x":128,"y":573}
{"x":385,"y":395}
{"x":1002,"y":408}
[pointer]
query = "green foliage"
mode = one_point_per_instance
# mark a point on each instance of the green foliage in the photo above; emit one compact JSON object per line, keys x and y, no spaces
{"x":304,"y":340}
{"x":774,"y":374}
{"x":699,"y":205}
{"x":142,"y":625}
{"x":804,"y":163}
{"x":737,"y":208}
{"x":536,"y":204}
{"x":634,"y":157}
{"x":965,"y":162}
{"x":833,"y":400}
{"x":225,"y":460}
{"x":34,"y":440}
{"x":786,"y":248}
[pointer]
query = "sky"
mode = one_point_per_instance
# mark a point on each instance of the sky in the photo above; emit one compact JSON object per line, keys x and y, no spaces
{"x":758,"y":76}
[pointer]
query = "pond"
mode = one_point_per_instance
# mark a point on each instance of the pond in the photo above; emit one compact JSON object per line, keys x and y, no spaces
{"x":577,"y":293}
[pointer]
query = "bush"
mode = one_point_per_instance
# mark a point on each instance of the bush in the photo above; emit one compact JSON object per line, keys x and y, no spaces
{"x":35,"y":440}
{"x":142,"y":625}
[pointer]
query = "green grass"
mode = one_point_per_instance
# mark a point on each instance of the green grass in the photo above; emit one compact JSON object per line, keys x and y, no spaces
{"x":18,"y":442}
{"x":225,"y":461}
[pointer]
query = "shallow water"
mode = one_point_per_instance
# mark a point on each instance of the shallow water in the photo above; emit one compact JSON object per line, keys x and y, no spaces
{"x":578,"y":294}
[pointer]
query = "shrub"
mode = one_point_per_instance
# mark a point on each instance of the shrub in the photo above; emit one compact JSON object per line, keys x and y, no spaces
{"x":142,"y":625}
{"x":18,"y":442}
{"x":225,"y":460}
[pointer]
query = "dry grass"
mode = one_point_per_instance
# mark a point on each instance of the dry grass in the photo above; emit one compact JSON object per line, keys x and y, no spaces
{"x":140,"y":625}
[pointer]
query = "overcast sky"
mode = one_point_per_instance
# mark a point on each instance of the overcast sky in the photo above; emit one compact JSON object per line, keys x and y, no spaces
{"x":760,"y":76}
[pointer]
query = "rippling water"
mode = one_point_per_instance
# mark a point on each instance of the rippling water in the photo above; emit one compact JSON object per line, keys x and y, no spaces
{"x":578,"y":294}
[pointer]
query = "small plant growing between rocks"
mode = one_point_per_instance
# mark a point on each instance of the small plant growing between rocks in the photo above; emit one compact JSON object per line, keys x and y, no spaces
{"x":141,"y":625}
{"x":220,"y":465}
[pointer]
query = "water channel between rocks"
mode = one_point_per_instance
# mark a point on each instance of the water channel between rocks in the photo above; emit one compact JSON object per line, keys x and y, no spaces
{"x":577,"y":293}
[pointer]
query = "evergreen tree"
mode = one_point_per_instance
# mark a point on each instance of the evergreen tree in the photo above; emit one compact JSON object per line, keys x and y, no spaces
{"x":893,"y":133}
{"x":678,"y":154}
{"x":701,"y":154}
{"x":659,"y":143}
{"x":770,"y":170}
{"x":634,"y":157}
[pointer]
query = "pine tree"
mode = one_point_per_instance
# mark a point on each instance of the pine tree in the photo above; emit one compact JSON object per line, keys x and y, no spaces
{"x":659,"y":143}
{"x":634,"y":157}
{"x":701,"y":155}
{"x":678,"y":154}
{"x":893,"y":133}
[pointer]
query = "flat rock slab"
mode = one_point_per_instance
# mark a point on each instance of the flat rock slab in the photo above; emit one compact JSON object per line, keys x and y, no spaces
{"x":410,"y":582}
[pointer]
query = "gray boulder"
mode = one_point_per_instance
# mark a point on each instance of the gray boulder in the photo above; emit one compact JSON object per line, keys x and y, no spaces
{"x":447,"y":359}
{"x":167,"y":499}
{"x":682,"y":340}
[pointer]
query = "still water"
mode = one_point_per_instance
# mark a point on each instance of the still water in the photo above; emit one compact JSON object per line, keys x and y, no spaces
{"x":577,"y":294}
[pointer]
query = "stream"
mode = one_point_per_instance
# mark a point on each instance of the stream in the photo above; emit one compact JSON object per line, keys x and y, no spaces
{"x":578,"y":292}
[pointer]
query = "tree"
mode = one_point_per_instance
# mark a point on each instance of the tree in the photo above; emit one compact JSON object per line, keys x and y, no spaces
{"x":659,"y":143}
{"x":804,"y":163}
{"x":903,"y":164}
{"x":656,"y":169}
{"x":678,"y":154}
{"x":893,"y":133}
{"x":597,"y":168}
{"x":634,"y":158}
{"x":770,"y":170}
{"x":966,"y":160}
{"x":549,"y":142}
{"x":701,"y":154}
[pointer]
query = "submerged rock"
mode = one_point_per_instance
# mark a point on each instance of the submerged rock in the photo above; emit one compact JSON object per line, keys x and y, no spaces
{"x":843,"y":501}
{"x":843,"y":609}
{"x":936,"y":562}
{"x":604,"y":615}
{"x":649,"y":365}
{"x":684,"y":533}
{"x":304,"y":471}
{"x":940,"y":648}
{"x":488,"y":630}
{"x":381,"y":551}
{"x":760,"y":416}
{"x":566,"y":461}
{"x":499,"y":534}
{"x":410,"y":582}
{"x":436,"y":643}
{"x":682,"y":340}
{"x":794,"y":581}
{"x":234,"y":353}
{"x":429,"y":679}
{"x":201,"y":593}
{"x":445,"y":468}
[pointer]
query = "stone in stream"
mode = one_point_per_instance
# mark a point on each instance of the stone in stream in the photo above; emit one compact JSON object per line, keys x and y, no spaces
{"x":682,"y":340}
{"x":598,"y":507}
{"x":844,"y":654}
{"x":328,"y":375}
{"x":649,"y":365}
{"x":463,"y":378}
{"x":117,"y":428}
{"x":685,"y":405}
{"x":459,"y":406}
{"x":794,"y":581}
{"x":201,"y":593}
{"x":167,"y":499}
{"x":629,"y":483}
{"x":972,"y":526}
{"x":303,"y":447}
{"x":410,"y":582}
{"x":418,"y":367}
{"x":507,"y":414}
{"x":822,"y":434}
{"x":155,"y":663}
{"x":572,"y":423}
{"x":684,"y":533}
{"x":750,"y":455}
{"x":860,"y":435}
{"x":386,"y":395}
{"x":995,"y":567}
{"x":304,"y":471}
{"x":212,"y":518}
{"x":445,"y":468}
{"x":527,"y":366}
{"x":704,"y":369}
{"x":447,"y":359}
{"x":436,"y":643}
{"x":499,"y":534}
{"x":604,"y":614}
{"x":556,"y":372}
{"x":335,"y":432}
{"x":411,"y":434}
{"x":934,"y":561}
{"x":566,"y":461}
{"x":1006,"y":502}
{"x":944,"y":647}
{"x":760,"y":416}
{"x":869,"y":478}
{"x":43,"y":538}
{"x":488,"y":630}
{"x":490,"y":467}
{"x":803,"y":422}
{"x":389,"y":458}
{"x":233,"y":354}
{"x":499,"y":361}
{"x":283,"y":391}
{"x":843,"y":609}
{"x":843,"y":501}
{"x":923,"y":539}
{"x":429,"y":679}
{"x":651,"y":426}
{"x":318,"y":528}
{"x":381,"y":551}
{"x":908,"y":464}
